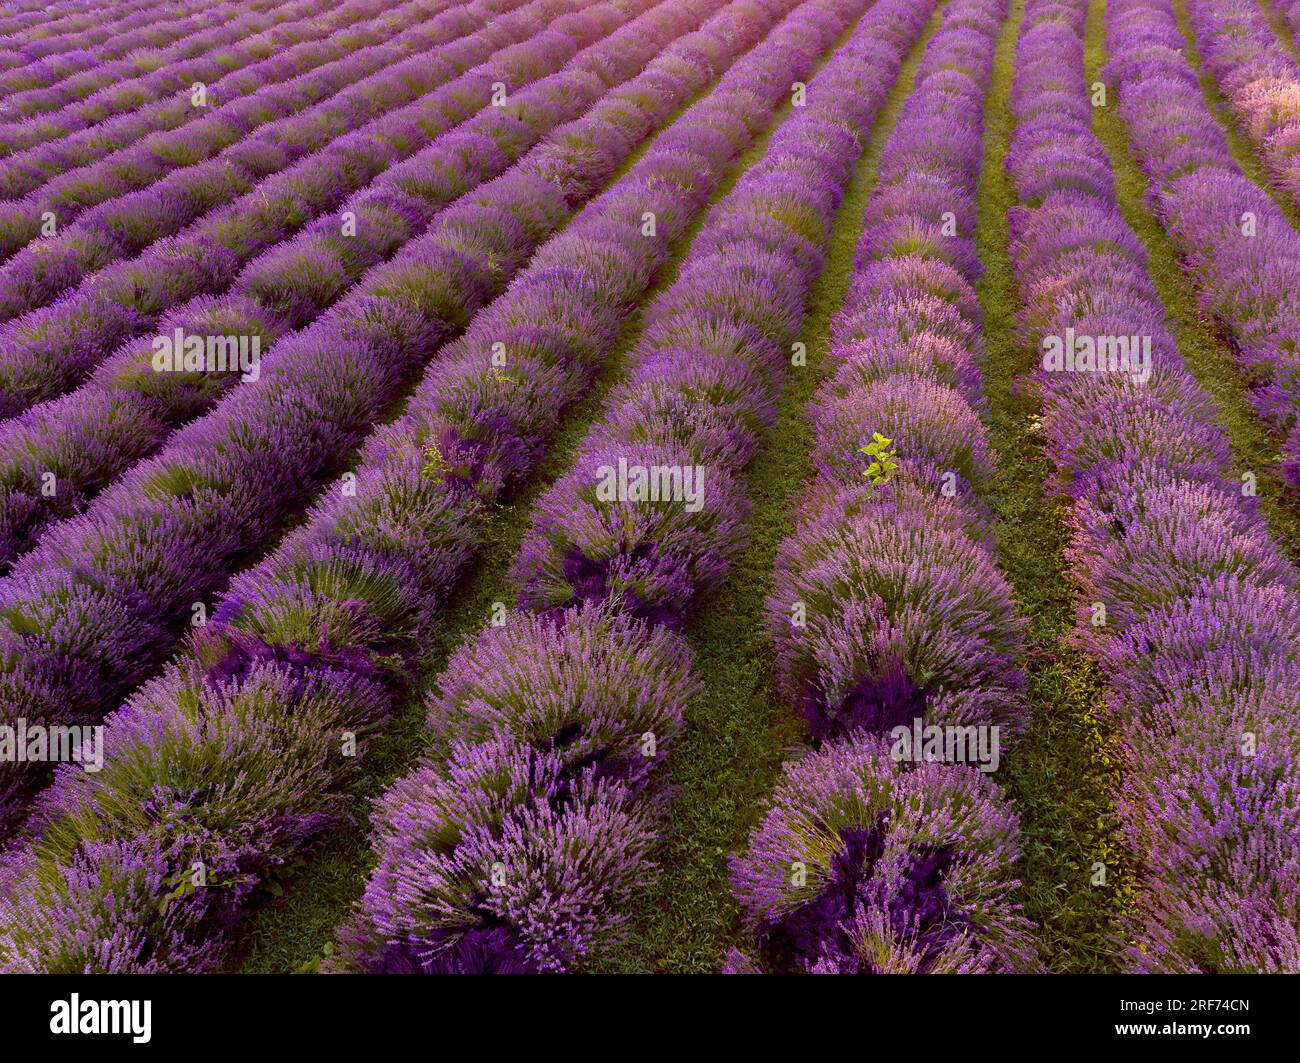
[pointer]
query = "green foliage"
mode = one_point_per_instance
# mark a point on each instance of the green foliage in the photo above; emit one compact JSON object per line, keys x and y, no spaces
{"x":313,"y":965}
{"x":883,"y":465}
{"x":435,"y":466}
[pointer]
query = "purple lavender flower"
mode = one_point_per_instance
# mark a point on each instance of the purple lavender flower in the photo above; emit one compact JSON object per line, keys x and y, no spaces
{"x":865,"y":866}
{"x":880,"y":604}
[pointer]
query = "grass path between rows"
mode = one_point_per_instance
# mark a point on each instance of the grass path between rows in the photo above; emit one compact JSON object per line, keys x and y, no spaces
{"x":296,"y":930}
{"x":1061,"y":771}
{"x":1276,"y":19}
{"x":738,"y":730}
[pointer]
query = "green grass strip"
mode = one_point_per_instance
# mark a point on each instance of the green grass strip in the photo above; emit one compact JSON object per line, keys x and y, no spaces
{"x":738,"y":730}
{"x":1281,"y":28}
{"x":1061,"y":771}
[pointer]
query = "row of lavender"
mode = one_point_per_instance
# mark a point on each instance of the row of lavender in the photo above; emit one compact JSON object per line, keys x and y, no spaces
{"x":96,"y":607}
{"x":21,"y":15}
{"x":888,"y":610}
{"x":58,"y":25}
{"x":386,"y":554}
{"x":384,"y":119}
{"x":1262,"y":79}
{"x":131,"y":26}
{"x":1241,"y":250}
{"x":59,"y":454}
{"x":42,"y":55}
{"x":201,"y":54}
{"x":1184,"y":599}
{"x":77,"y":135}
{"x":89,"y":216}
{"x":518,"y":841}
{"x":24,"y":14}
{"x":1259,"y":78}
{"x":53,"y":83}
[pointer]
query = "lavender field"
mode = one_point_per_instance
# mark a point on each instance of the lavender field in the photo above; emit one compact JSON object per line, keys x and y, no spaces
{"x":629,"y":486}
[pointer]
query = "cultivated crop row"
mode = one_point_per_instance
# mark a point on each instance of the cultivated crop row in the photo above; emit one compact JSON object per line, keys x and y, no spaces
{"x":1183,"y":597}
{"x":27,"y":93}
{"x":127,"y":110}
{"x":218,"y":157}
{"x":888,"y":610}
{"x":510,"y":486}
{"x":99,"y":219}
{"x":170,"y":532}
{"x":27,"y":13}
{"x":1259,"y":78}
{"x":130,"y":27}
{"x":1242,"y":252}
